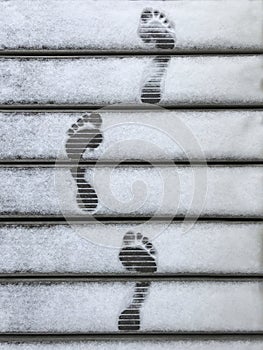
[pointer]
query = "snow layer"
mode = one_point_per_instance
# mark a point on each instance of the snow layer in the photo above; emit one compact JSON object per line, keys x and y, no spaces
{"x":113,"y":24}
{"x":137,"y":345}
{"x":69,"y":307}
{"x":149,"y":135}
{"x":136,"y":191}
{"x":204,"y":248}
{"x":189,"y":80}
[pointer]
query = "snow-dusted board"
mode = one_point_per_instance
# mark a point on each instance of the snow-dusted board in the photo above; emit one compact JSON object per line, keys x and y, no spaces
{"x":214,"y":248}
{"x":238,"y":343}
{"x":154,"y":135}
{"x":115,"y":24}
{"x":133,"y":191}
{"x":95,"y":307}
{"x":184,"y":80}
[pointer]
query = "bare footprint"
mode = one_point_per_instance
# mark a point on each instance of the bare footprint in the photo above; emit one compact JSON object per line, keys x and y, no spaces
{"x":85,"y":133}
{"x":155,"y":28}
{"x":137,"y":254}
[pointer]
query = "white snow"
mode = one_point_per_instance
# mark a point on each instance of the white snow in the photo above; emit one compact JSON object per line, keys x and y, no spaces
{"x":93,"y":307}
{"x":113,"y":24}
{"x":135,"y":345}
{"x":189,"y":80}
{"x":79,"y":306}
{"x":137,"y":191}
{"x":215,"y":135}
{"x":205,"y":248}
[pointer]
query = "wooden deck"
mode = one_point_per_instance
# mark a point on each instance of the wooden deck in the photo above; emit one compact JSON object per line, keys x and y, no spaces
{"x":131,"y":174}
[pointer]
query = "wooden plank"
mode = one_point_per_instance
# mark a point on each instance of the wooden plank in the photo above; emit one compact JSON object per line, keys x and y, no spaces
{"x":238,"y":343}
{"x":186,"y":80}
{"x":200,"y":248}
{"x":167,"y":306}
{"x":133,"y":191}
{"x":131,"y":135}
{"x":111,"y":25}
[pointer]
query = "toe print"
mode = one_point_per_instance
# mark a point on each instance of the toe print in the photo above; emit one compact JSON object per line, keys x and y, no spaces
{"x":84,"y":134}
{"x":138,"y":254}
{"x":155,"y":28}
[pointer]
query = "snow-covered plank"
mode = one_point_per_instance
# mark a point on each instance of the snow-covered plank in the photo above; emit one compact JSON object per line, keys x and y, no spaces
{"x":147,"y":135}
{"x":133,"y":191}
{"x":96,"y":81}
{"x":94,"y":248}
{"x":171,"y":306}
{"x":115,"y":25}
{"x":223,"y":344}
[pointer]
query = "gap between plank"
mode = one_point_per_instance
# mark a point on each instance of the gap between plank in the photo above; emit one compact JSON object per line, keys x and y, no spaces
{"x":130,"y":336}
{"x":89,"y":52}
{"x":47,"y":280}
{"x":60,"y":220}
{"x":88,"y":107}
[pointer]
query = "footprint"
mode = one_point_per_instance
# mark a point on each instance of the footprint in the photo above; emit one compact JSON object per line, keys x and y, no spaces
{"x":155,"y":28}
{"x":85,"y":133}
{"x":151,"y":91}
{"x":137,"y":254}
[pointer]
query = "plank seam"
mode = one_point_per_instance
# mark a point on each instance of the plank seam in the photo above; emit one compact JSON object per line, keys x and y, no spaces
{"x":57,"y":338}
{"x":115,"y":278}
{"x":132,"y":277}
{"x":123,"y":336}
{"x":99,"y":164}
{"x":130,"y":53}
{"x":8,"y":219}
{"x":68,"y":163}
{"x":83,"y":107}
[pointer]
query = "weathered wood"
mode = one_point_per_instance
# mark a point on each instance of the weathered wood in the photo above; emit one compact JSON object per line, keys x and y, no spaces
{"x":133,"y":191}
{"x":132,"y":135}
{"x":111,"y":25}
{"x":88,"y":307}
{"x":214,"y":248}
{"x":185,"y":80}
